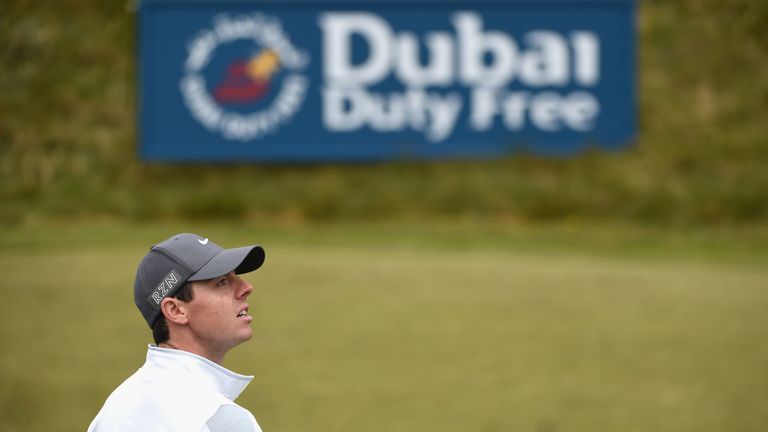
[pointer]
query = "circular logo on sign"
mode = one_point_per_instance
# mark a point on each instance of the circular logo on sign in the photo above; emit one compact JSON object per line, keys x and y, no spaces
{"x":243,"y":78}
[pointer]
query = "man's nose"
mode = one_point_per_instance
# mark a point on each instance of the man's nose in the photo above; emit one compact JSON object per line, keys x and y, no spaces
{"x":244,"y":290}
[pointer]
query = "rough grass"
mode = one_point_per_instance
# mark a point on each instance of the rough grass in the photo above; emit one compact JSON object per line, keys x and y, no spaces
{"x":67,"y":138}
{"x":368,"y":332}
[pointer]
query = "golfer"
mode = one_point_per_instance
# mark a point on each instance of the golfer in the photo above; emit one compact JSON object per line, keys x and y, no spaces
{"x":189,"y":292}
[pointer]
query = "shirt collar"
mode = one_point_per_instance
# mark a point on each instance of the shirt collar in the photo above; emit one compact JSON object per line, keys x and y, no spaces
{"x":226,"y":382}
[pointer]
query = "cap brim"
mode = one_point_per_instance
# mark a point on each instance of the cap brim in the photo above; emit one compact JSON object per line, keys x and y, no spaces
{"x":240,"y":260}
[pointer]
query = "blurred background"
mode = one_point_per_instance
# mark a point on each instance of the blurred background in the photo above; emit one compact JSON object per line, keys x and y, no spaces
{"x":604,"y":291}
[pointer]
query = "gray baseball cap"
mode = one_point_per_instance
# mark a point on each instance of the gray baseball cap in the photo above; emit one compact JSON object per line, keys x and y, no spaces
{"x":186,"y":258}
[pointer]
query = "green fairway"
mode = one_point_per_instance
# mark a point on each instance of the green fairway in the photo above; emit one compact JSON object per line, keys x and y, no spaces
{"x":412,"y":331}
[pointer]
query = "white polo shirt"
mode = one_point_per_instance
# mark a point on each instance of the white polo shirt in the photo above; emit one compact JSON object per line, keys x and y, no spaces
{"x":177,"y":391}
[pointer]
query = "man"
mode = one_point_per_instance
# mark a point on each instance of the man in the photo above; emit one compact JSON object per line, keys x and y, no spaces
{"x":189,"y":292}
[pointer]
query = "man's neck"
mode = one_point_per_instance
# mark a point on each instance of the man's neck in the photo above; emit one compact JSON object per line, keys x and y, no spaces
{"x":194,"y":348}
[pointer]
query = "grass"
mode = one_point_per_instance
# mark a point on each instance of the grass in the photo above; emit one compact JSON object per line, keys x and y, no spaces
{"x":415,"y":328}
{"x":68,"y":145}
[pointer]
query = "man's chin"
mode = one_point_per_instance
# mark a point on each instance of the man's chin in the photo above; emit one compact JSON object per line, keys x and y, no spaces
{"x":241,"y":338}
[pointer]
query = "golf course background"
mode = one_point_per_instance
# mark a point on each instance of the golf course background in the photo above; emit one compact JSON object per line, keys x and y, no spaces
{"x":605,"y":292}
{"x":385,"y":328}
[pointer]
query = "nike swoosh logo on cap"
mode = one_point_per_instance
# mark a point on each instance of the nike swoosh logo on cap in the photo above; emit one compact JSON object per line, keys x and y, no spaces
{"x":203,"y":242}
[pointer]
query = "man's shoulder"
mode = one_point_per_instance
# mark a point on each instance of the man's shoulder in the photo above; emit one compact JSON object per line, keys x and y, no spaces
{"x":148,"y":398}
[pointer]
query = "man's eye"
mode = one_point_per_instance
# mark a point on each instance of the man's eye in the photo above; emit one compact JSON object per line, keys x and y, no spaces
{"x":221,"y":282}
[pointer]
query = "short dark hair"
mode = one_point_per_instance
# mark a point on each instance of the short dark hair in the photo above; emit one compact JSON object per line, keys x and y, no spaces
{"x":160,"y":329}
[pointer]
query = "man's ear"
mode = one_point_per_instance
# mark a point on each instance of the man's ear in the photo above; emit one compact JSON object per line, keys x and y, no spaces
{"x":174,"y":311}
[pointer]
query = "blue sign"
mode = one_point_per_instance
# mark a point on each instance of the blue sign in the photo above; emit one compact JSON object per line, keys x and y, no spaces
{"x":352,"y":80}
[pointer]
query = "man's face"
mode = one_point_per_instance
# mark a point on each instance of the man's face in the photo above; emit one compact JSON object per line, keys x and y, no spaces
{"x":218,"y":313}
